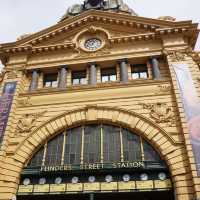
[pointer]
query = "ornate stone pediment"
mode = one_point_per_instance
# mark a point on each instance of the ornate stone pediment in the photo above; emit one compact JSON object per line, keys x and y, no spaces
{"x":94,"y":16}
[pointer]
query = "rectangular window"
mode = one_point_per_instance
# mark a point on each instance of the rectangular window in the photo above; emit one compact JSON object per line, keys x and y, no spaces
{"x":139,"y":71}
{"x":51,"y":80}
{"x":79,"y":78}
{"x":108,"y":75}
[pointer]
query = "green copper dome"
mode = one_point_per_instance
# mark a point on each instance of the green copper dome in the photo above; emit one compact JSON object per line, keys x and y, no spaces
{"x":107,"y":5}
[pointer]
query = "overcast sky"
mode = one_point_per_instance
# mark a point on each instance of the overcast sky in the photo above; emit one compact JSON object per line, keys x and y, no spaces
{"x":18,"y":17}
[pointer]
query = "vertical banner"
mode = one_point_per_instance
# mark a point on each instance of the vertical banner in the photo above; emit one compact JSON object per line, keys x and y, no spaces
{"x":5,"y":106}
{"x":191,"y":105}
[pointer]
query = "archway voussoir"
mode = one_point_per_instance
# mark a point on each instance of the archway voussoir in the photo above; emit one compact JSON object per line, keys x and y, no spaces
{"x":115,"y":115}
{"x":105,"y":115}
{"x":83,"y":115}
{"x":44,"y":131}
{"x":100,"y":114}
{"x":109,"y":115}
{"x":73,"y":118}
{"x":41,"y":135}
{"x":54,"y":126}
{"x":63,"y":121}
{"x":36,"y":137}
{"x":152,"y":134}
{"x":29,"y":145}
{"x":59,"y":123}
{"x":68,"y":120}
{"x":123,"y":119}
{"x":157,"y":137}
{"x":134,"y":122}
{"x":78,"y":116}
{"x":49,"y":129}
{"x":144,"y":127}
{"x":91,"y":114}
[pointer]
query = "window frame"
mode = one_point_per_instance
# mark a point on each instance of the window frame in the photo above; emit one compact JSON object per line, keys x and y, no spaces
{"x":141,"y":68}
{"x":51,"y":78}
{"x":80,"y":76}
{"x":105,"y":73}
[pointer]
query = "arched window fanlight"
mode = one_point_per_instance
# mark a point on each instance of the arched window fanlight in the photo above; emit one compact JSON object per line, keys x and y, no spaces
{"x":94,"y":143}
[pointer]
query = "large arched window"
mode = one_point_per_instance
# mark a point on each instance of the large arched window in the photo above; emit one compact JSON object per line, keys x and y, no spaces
{"x":94,"y":143}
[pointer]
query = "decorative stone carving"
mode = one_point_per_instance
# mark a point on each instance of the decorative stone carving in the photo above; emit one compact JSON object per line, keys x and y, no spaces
{"x":164,"y":89}
{"x":89,"y":34}
{"x":194,"y":55}
{"x":28,"y":122}
{"x":175,"y":56}
{"x":160,"y":112}
{"x":167,"y":18}
{"x":25,"y":102}
{"x":93,"y":54}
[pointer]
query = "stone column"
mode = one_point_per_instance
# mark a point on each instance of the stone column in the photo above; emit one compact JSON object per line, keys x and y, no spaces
{"x":123,"y":70}
{"x":93,"y":74}
{"x":34,"y":80}
{"x":155,"y":68}
{"x":63,"y":77}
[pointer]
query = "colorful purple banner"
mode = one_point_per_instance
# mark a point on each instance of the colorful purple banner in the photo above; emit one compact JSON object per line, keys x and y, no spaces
{"x":191,"y":105}
{"x":5,"y":106}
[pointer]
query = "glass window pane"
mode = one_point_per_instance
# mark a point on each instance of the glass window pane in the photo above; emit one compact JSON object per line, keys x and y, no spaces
{"x":37,"y":159}
{"x":83,"y":81}
{"x":135,"y":75}
{"x":149,"y":153}
{"x":113,"y":78}
{"x":111,"y":141}
{"x":104,"y":79}
{"x":54,"y":84}
{"x":92,"y":144}
{"x":54,"y":151}
{"x":131,"y":145}
{"x":50,"y":80}
{"x":143,"y":74}
{"x":75,"y":82}
{"x":47,"y":84}
{"x":73,"y":146}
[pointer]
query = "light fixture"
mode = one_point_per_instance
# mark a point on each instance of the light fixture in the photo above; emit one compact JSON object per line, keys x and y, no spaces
{"x":126,"y":177}
{"x":26,"y":181}
{"x":58,"y":180}
{"x":143,"y":177}
{"x":108,"y":178}
{"x":91,"y":179}
{"x":75,"y":179}
{"x":162,"y":176}
{"x":42,"y":181}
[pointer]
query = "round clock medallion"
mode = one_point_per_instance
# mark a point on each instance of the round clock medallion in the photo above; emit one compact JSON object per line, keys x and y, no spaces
{"x":93,"y":44}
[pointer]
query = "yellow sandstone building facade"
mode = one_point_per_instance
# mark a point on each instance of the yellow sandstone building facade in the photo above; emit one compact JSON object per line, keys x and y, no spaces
{"x":94,"y":108}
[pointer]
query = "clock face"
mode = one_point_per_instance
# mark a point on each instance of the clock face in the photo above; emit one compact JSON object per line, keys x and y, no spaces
{"x":93,"y":44}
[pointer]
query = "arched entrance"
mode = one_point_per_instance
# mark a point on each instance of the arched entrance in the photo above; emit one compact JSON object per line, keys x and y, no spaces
{"x":96,"y":161}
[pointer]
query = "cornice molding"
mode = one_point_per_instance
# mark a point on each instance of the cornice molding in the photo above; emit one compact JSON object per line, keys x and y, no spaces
{"x":71,"y":45}
{"x":99,"y":86}
{"x":102,"y":16}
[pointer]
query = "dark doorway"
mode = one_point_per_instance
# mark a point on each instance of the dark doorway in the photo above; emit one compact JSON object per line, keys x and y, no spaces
{"x":153,"y":195}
